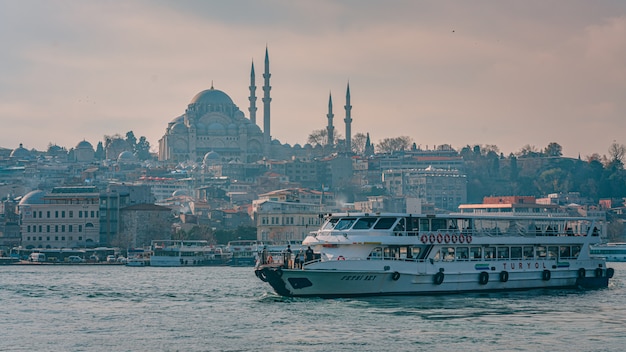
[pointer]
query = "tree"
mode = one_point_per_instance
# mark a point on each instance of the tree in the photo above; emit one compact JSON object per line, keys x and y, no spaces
{"x":553,"y":149}
{"x":390,"y":145}
{"x":358,"y":143}
{"x":528,"y":151}
{"x":99,"y":155}
{"x":142,"y":149}
{"x":616,"y":156}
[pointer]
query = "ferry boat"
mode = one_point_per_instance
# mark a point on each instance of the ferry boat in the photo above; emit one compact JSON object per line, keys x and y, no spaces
{"x":172,"y":253}
{"x":612,"y":252}
{"x":138,"y":257}
{"x":244,"y":252}
{"x":407,"y":254}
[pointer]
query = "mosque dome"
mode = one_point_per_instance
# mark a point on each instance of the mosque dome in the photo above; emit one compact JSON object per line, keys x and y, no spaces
{"x":211,"y":158}
{"x":84,"y":145}
{"x":179,"y":193}
{"x":179,"y":128}
{"x":20,"y":152}
{"x":212,"y":97}
{"x":126,"y":157}
{"x":34,"y":197}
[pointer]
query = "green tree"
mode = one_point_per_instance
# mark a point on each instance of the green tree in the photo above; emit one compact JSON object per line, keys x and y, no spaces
{"x":553,"y":149}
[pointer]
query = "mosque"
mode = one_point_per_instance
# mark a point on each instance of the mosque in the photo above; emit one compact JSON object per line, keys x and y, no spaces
{"x":213,"y":126}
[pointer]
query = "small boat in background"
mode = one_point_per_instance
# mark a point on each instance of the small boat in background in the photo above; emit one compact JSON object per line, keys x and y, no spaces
{"x":612,"y":252}
{"x":172,"y":253}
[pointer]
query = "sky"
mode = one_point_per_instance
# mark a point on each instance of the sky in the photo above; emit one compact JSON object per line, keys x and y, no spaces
{"x":504,"y":73}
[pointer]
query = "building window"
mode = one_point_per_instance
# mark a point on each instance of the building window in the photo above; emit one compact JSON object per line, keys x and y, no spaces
{"x":71,"y":213}
{"x":62,"y":228}
{"x":47,"y":228}
{"x":48,"y":214}
{"x":28,"y":228}
{"x":56,"y":213}
{"x":80,"y":213}
{"x":56,"y":238}
{"x":80,"y":228}
{"x":34,"y":214}
{"x":40,"y":228}
{"x":56,"y":228}
{"x":92,"y":214}
{"x":63,"y":213}
{"x":70,"y":228}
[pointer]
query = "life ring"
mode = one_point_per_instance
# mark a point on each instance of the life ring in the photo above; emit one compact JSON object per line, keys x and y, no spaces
{"x":582,"y":273}
{"x":599,"y":272}
{"x":432,"y":238}
{"x":468,"y":238}
{"x":461,"y":239}
{"x":395,"y":276}
{"x":483,"y":278}
{"x":438,"y":278}
{"x":545,"y":275}
{"x":439,"y":238}
{"x":424,"y":238}
{"x":610,"y":272}
{"x":270,"y":260}
{"x":504,"y":276}
{"x":446,"y":238}
{"x":341,"y":257}
{"x":455,"y":238}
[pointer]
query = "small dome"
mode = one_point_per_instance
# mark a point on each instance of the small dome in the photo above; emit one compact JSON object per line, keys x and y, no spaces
{"x":211,"y":158}
{"x":212,"y":97}
{"x":84,"y":145}
{"x":34,"y":197}
{"x":126,"y":157}
{"x":179,"y":193}
{"x":179,"y":128}
{"x":20,"y":152}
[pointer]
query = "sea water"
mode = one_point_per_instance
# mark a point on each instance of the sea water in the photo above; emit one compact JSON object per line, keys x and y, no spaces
{"x":118,"y":308}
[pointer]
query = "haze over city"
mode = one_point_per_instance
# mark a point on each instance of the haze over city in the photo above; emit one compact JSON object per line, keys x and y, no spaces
{"x":508,"y":73}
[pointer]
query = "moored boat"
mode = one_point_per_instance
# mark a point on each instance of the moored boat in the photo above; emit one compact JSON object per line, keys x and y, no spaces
{"x":244,"y":252}
{"x":612,"y":252}
{"x":407,"y":254}
{"x":172,"y":253}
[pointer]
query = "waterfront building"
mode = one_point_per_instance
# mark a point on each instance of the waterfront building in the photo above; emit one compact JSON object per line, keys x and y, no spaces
{"x":446,"y":189}
{"x":66,"y":217}
{"x":283,"y":220}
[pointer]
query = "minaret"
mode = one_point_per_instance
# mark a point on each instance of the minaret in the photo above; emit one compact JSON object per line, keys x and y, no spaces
{"x":252,"y":98}
{"x":330,"y":128}
{"x":348,"y":121}
{"x":266,"y":104}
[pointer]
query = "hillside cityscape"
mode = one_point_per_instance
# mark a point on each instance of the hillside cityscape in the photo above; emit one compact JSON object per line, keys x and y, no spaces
{"x":217,"y":174}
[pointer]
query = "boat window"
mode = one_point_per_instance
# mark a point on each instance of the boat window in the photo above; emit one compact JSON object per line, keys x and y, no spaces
{"x":399,"y":226}
{"x":528,"y":252}
{"x":447,"y":254}
{"x":575,"y":251}
{"x":503,"y":252}
{"x":437,"y":256}
{"x":416,"y":252}
{"x":462,"y":253}
{"x":564,"y":252}
{"x":412,"y":224}
{"x":490,"y":252}
{"x":330,"y":224}
{"x":391,"y":252}
{"x":452,"y":225}
{"x":541,"y":252}
{"x":344,"y":224}
{"x":364,"y":224}
{"x":438,"y":224}
{"x":553,"y":252}
{"x":424,"y":225}
{"x":384,"y":223}
{"x":475,"y":253}
{"x":376,"y":253}
{"x":403,"y":252}
{"x":516,"y":252}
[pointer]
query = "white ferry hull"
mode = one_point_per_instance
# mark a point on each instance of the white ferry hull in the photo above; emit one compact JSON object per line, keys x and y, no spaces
{"x":323,"y":283}
{"x":367,"y":255}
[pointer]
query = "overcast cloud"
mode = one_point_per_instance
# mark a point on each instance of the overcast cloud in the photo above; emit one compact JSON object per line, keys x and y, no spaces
{"x":504,"y":73}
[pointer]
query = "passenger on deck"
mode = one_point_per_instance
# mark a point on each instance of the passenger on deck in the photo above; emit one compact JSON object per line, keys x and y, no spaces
{"x":308,"y":255}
